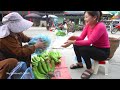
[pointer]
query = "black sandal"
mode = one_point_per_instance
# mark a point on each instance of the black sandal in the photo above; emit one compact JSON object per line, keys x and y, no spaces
{"x":86,"y":76}
{"x":75,"y":66}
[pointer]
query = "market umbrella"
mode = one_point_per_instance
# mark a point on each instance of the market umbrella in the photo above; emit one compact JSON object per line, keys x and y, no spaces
{"x":33,"y":15}
{"x":106,"y":13}
{"x":52,"y":16}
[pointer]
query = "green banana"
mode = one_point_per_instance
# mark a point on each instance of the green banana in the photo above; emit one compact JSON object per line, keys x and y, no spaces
{"x":37,"y":74}
{"x":34,"y":62}
{"x":58,"y":54}
{"x":45,"y":55}
{"x":53,"y":56}
{"x":48,"y":65}
{"x":44,"y":65}
{"x":55,"y":59}
{"x":50,"y":73}
{"x":53,"y":65}
{"x":37,"y":58}
{"x":40,"y":68}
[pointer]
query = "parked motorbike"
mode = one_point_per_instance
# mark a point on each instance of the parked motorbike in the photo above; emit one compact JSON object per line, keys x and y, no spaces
{"x":116,"y":29}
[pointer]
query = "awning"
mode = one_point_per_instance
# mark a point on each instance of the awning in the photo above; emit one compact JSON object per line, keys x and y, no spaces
{"x":106,"y":13}
{"x":33,"y":15}
{"x":74,"y":12}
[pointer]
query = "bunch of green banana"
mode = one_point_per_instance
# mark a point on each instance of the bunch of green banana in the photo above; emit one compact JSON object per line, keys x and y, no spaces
{"x":44,"y":64}
{"x":37,"y":74}
{"x":55,"y":55}
{"x":44,"y":67}
{"x":47,"y":59}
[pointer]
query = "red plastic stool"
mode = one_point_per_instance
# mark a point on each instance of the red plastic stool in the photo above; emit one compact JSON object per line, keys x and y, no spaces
{"x":101,"y":63}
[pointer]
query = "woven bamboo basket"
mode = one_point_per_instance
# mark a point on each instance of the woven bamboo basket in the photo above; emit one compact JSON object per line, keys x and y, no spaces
{"x":114,"y":44}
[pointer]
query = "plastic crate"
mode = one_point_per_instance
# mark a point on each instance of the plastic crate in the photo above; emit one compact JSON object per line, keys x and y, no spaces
{"x":18,"y":71}
{"x":28,"y":74}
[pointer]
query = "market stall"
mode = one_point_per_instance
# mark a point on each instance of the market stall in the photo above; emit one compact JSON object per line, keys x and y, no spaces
{"x":46,"y":63}
{"x":35,"y":18}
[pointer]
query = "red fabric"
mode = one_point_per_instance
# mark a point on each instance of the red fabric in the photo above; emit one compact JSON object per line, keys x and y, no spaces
{"x":101,"y":62}
{"x":61,"y":70}
{"x":62,"y":73}
{"x":118,"y":26}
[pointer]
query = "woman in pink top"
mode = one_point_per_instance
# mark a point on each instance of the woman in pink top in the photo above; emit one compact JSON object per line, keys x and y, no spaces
{"x":96,"y":47}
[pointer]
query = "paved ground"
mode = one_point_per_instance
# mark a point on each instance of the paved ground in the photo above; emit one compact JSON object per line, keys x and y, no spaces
{"x":114,"y":63}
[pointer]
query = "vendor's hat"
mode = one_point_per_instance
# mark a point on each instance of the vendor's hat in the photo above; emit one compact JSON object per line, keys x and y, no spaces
{"x":16,"y":23}
{"x":4,"y":31}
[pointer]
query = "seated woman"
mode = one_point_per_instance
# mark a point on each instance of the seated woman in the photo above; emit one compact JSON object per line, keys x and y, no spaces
{"x":11,"y":38}
{"x":96,"y":47}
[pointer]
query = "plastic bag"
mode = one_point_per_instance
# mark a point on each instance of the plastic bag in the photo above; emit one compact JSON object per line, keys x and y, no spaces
{"x":43,"y":38}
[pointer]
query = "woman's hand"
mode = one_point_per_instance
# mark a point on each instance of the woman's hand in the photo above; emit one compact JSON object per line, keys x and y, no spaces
{"x":30,"y":38}
{"x":40,"y":44}
{"x":72,"y":38}
{"x":68,"y":43}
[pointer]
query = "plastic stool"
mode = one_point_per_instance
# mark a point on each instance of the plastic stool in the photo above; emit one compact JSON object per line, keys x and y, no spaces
{"x":18,"y":71}
{"x":101,"y":63}
{"x":28,"y":74}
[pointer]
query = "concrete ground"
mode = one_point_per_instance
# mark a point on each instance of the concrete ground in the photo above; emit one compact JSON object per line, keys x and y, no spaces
{"x":114,"y":62}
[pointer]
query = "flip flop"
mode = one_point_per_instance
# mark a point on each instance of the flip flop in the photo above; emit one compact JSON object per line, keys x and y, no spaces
{"x":86,"y":76}
{"x":75,"y":66}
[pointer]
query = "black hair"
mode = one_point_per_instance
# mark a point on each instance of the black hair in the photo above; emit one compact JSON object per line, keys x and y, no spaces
{"x":95,"y":13}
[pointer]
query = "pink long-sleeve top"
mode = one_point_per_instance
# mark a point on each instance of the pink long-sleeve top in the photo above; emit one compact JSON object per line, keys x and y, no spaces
{"x":97,"y":36}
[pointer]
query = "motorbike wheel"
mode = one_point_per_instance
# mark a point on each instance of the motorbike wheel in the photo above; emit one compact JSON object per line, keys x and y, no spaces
{"x":114,"y":30}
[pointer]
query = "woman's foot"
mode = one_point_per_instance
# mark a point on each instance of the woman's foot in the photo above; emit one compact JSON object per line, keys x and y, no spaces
{"x":87,"y":74}
{"x":77,"y":65}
